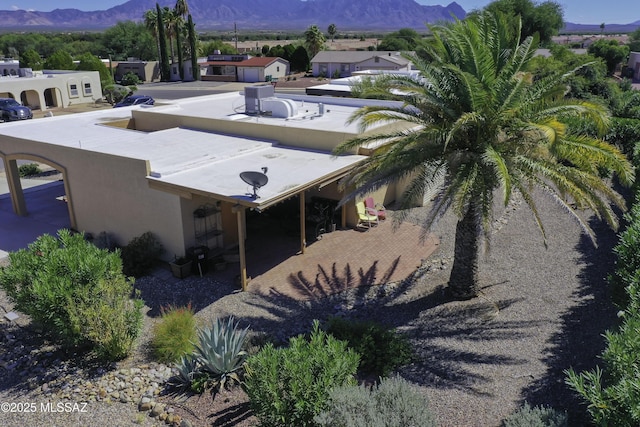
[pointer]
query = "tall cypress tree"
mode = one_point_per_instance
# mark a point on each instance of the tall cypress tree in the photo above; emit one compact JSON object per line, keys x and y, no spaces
{"x":165,"y":68}
{"x":179,"y":43}
{"x":194,"y":51}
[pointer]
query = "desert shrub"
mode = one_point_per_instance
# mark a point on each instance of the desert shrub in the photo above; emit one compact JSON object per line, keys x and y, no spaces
{"x":538,"y":416}
{"x":28,"y":169}
{"x":76,"y":292}
{"x":217,"y":361}
{"x":393,"y":403}
{"x":174,"y":334}
{"x":141,"y":254}
{"x":289,"y":386}
{"x":381,"y":350}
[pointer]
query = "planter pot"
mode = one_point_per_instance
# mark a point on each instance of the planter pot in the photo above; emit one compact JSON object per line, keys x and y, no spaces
{"x":181,"y":270}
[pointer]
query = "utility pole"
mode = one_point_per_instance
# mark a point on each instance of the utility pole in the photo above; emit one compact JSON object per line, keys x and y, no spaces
{"x":235,"y":32}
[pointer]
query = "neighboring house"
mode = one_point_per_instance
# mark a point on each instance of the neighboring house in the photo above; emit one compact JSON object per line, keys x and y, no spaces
{"x":332,"y":63}
{"x":634,"y":64}
{"x":244,"y":68}
{"x":165,"y":168}
{"x":342,"y":86}
{"x":147,"y":71}
{"x":51,"y":88}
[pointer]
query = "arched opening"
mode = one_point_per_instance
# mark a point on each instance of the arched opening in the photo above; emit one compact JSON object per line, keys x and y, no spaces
{"x":31,"y":99}
{"x":32,"y":205}
{"x":52,"y":97}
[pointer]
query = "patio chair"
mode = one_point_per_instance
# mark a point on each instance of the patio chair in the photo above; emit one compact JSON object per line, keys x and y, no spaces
{"x":374,"y":208}
{"x":365,"y":218}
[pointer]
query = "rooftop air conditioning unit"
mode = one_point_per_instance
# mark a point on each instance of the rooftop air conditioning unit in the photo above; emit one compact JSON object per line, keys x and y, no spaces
{"x":253,"y":96}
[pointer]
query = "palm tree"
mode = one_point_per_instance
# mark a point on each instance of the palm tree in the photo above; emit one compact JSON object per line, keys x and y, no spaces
{"x":151,"y":23}
{"x":476,"y":118}
{"x":314,"y":40}
{"x":181,"y":8}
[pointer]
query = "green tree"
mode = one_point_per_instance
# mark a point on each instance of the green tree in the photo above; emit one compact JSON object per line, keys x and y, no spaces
{"x":332,"y":30}
{"x":88,"y":62}
{"x":634,"y":41}
{"x":224,"y":48}
{"x":128,"y":39}
{"x":405,"y":39}
{"x":299,"y":60}
{"x":193,"y":49}
{"x":31,"y":59}
{"x":60,"y":60}
{"x":314,"y":40}
{"x":477,"y":120}
{"x":611,"y":51}
{"x":545,"y":18}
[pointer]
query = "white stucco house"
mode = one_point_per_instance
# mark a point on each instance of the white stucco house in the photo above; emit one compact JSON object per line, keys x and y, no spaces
{"x":335,"y":63}
{"x":40,"y":90}
{"x":180,"y":170}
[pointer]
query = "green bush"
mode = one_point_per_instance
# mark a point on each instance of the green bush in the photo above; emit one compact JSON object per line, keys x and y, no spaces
{"x":289,"y":386}
{"x":627,"y":264}
{"x":393,"y":403}
{"x":28,"y":169}
{"x":76,"y":292}
{"x":539,"y":416}
{"x":613,"y":391}
{"x":174,"y":334}
{"x":380,"y":349}
{"x":130,"y":79}
{"x":217,"y":361}
{"x":140,"y":255}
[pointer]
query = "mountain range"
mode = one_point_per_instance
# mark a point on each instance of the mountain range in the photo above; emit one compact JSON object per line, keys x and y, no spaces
{"x":367,"y":15}
{"x":249,"y":15}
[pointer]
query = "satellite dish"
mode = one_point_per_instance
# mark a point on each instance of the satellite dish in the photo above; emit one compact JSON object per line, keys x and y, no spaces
{"x":255,"y":179}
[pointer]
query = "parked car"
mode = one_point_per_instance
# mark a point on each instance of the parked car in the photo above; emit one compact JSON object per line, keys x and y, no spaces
{"x":12,"y":110}
{"x":135,"y":100}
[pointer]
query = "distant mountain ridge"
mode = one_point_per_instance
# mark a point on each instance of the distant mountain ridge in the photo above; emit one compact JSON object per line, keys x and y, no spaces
{"x":250,"y":14}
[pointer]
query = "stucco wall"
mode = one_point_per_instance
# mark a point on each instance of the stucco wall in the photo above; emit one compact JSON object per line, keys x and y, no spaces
{"x":110,"y":193}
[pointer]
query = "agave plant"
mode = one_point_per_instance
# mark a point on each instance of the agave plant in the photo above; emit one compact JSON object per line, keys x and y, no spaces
{"x":187,"y":369}
{"x":220,"y":353}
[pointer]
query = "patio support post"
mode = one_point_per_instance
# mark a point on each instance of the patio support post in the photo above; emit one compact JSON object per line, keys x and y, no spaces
{"x":15,"y":189}
{"x":241,"y":240}
{"x":303,"y":231}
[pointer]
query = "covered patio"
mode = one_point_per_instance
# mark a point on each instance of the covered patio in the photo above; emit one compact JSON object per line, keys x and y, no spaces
{"x":342,"y":259}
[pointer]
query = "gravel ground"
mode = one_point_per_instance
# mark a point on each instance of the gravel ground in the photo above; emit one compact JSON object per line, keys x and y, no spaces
{"x":541,"y":312}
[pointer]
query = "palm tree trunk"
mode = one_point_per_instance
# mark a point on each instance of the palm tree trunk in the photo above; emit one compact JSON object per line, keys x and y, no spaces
{"x":463,"y":281}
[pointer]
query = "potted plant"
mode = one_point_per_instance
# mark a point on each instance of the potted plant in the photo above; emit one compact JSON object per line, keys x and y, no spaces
{"x":181,"y":266}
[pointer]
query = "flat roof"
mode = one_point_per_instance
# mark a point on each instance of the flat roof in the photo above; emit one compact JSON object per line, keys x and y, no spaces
{"x":204,"y":162}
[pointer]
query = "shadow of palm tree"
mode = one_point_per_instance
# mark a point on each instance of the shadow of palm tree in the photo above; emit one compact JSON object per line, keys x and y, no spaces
{"x":329,"y":282}
{"x":580,"y":340}
{"x":426,"y":321}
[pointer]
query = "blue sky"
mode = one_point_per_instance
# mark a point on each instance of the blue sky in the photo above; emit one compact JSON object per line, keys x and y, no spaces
{"x":578,"y":11}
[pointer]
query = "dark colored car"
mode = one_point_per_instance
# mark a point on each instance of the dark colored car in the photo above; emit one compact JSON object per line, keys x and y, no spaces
{"x":135,"y":100}
{"x":12,"y":110}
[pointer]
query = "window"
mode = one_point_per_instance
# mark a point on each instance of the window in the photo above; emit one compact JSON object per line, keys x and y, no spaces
{"x":87,"y":89}
{"x":344,"y":68}
{"x":73,"y":90}
{"x":376,"y":59}
{"x":278,"y":69}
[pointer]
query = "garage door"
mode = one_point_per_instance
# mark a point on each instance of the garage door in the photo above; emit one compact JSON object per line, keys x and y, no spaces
{"x":251,"y":75}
